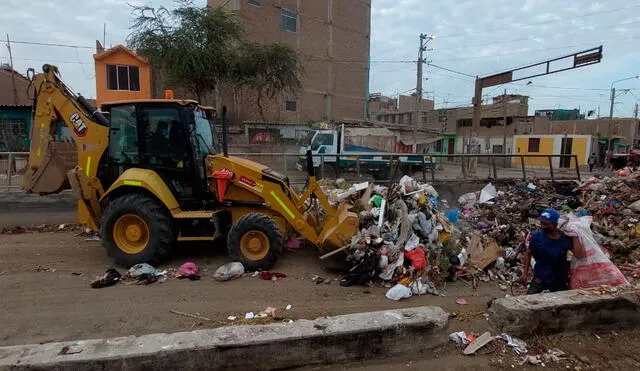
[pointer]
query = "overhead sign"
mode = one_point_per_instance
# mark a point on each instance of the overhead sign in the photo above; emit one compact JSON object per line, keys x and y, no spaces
{"x":498,"y":79}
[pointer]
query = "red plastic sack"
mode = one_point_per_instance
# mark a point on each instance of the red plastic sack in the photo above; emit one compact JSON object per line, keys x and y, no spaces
{"x":595,"y":269}
{"x":417,"y":257}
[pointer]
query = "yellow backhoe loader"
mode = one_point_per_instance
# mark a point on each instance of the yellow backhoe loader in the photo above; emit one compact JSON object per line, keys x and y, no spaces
{"x":146,"y":176}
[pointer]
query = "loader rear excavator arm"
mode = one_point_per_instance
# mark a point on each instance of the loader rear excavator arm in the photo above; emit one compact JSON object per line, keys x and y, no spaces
{"x":57,"y":164}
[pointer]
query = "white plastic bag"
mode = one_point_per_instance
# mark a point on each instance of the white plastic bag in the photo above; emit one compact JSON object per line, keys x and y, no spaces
{"x":418,"y":288}
{"x":229,"y":271}
{"x":467,"y":200}
{"x":387,"y":272}
{"x":408,"y":185}
{"x":488,"y":193}
{"x":412,"y":242}
{"x":398,"y":292}
{"x":595,"y":269}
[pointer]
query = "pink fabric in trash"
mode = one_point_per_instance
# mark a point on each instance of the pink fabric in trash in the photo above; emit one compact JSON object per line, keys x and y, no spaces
{"x":188,"y":269}
{"x":293,"y":244}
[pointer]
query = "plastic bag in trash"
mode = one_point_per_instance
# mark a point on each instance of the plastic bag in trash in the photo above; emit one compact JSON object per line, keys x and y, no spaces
{"x":387,"y":272}
{"x":229,"y":271}
{"x":398,"y":292}
{"x":146,"y":273}
{"x":429,"y":190}
{"x":408,"y":185}
{"x":467,"y":200}
{"x":418,"y":288}
{"x":140,"y":269}
{"x":488,"y":193}
{"x":595,"y":269}
{"x":412,"y":242}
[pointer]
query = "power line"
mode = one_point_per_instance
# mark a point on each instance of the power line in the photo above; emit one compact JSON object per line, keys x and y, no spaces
{"x":539,"y":23}
{"x":450,"y":70}
{"x":50,"y":44}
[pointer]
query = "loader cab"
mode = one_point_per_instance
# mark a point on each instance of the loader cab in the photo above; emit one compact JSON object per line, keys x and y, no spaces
{"x":170,"y":137}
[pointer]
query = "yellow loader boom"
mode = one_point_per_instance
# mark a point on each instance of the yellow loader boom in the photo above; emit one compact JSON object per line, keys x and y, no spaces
{"x":51,"y":157}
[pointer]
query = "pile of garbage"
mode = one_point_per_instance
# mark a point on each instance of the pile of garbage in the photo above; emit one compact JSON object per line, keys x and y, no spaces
{"x":401,"y":235}
{"x":410,"y":240}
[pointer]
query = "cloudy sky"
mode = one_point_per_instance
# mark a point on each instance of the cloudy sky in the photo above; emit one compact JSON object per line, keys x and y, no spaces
{"x":474,"y":37}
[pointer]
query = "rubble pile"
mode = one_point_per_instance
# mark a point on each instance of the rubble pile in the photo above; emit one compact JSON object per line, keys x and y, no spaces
{"x":411,"y":241}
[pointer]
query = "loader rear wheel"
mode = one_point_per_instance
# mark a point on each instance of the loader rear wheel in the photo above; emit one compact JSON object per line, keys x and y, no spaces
{"x":255,"y":241}
{"x":136,"y":229}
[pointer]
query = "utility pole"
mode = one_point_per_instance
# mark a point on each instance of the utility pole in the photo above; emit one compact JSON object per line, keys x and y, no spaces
{"x":635,"y":111}
{"x":613,"y":100}
{"x":421,"y":51}
{"x":13,"y":74}
{"x":504,"y":127}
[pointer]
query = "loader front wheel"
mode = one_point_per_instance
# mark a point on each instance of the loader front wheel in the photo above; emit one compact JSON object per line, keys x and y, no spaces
{"x":136,"y":229}
{"x":255,"y":241}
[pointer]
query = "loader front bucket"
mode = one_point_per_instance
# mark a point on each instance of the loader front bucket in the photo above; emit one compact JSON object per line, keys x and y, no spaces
{"x":337,"y":230}
{"x":48,"y":174}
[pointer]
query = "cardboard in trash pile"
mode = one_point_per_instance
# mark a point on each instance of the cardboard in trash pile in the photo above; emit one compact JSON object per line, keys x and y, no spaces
{"x":490,"y":254}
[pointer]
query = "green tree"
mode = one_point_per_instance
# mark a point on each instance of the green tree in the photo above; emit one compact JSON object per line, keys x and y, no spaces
{"x":199,"y":48}
{"x":269,"y":70}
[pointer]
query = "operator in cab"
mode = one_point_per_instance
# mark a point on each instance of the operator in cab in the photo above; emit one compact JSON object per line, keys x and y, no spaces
{"x":549,"y":247}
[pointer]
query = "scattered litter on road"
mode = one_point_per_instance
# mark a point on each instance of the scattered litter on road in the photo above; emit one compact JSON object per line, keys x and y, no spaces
{"x":196,"y":316}
{"x":270,"y":311}
{"x":272,"y":276}
{"x":478,"y":343}
{"x":189,"y":270}
{"x":232,"y":318}
{"x":40,"y":268}
{"x":229,"y":271}
{"x":146,"y":274}
{"x":462,"y":302}
{"x":249,"y":315}
{"x":461,"y":338}
{"x":288,"y":307}
{"x":518,"y":346}
{"x":110,"y":278}
{"x":93,"y":238}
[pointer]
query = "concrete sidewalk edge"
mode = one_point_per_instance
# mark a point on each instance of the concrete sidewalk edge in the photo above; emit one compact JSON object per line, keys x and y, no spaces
{"x":328,"y":340}
{"x":565,"y":311}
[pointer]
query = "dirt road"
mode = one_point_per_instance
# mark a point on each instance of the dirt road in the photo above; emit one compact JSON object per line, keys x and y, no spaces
{"x":43,"y":301}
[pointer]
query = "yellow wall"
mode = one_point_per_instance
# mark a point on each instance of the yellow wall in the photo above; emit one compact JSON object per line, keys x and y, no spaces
{"x":120,"y":57}
{"x":579,"y":149}
{"x":522,"y":148}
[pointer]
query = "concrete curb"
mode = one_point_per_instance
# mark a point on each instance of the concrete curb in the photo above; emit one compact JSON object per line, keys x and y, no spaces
{"x":329,"y":340}
{"x":564,"y":311}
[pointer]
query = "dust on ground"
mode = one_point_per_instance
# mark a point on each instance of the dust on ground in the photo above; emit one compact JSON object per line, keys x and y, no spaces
{"x":46,"y":297}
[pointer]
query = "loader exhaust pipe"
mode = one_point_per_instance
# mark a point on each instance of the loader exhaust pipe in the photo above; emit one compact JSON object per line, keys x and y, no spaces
{"x":225,"y":132}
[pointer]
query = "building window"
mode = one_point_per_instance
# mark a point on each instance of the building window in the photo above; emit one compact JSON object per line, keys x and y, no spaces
{"x":534,"y":144}
{"x":289,"y":21}
{"x":425,"y":117}
{"x":291,"y":105}
{"x":13,"y":135}
{"x":254,"y":2}
{"x":497,"y":148}
{"x":123,"y":77}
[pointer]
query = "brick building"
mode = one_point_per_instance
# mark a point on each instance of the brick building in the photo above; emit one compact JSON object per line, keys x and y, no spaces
{"x":332,"y":38}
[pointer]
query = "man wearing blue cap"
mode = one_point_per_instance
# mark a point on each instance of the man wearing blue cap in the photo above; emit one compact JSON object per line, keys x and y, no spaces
{"x":549,"y":246}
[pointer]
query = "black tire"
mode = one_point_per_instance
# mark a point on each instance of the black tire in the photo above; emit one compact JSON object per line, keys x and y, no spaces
{"x":157,"y":219}
{"x":250,"y":223}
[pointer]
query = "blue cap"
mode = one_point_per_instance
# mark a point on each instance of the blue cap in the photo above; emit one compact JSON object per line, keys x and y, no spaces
{"x":549,"y":216}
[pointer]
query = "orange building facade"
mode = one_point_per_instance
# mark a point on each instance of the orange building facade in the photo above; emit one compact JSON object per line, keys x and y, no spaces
{"x":121,"y":74}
